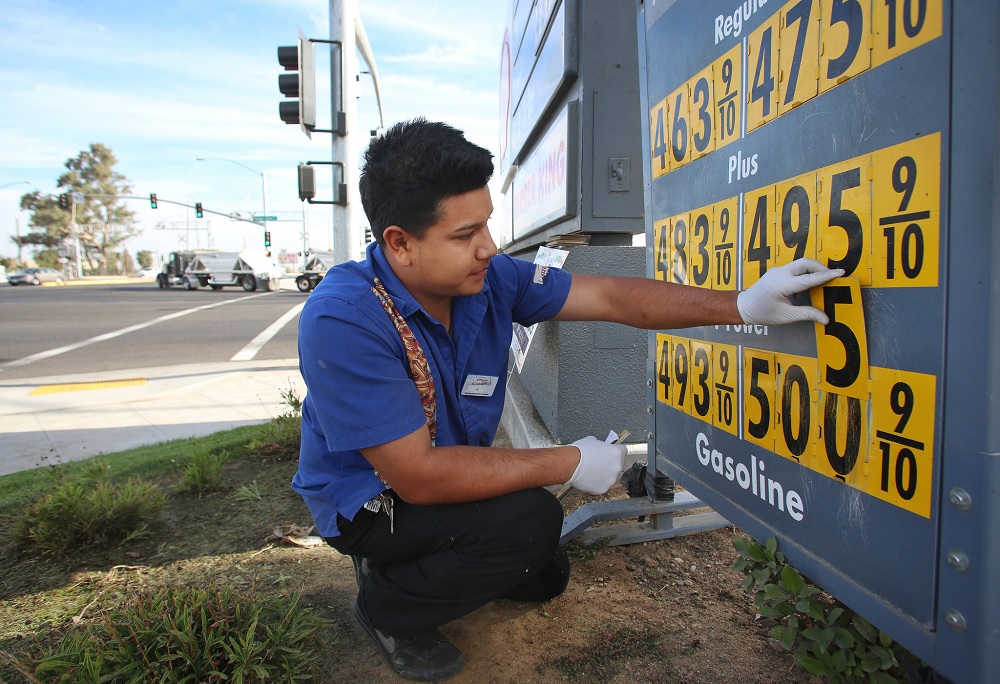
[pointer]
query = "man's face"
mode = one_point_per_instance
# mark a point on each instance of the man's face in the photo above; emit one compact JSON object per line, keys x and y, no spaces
{"x":450,"y":260}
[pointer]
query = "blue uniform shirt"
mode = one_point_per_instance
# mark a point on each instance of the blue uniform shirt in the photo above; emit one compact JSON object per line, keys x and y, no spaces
{"x":359,"y":393}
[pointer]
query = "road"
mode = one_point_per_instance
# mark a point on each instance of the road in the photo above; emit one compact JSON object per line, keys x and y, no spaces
{"x":47,"y":331}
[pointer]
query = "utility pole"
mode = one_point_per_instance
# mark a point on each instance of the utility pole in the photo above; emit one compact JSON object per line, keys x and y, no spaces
{"x":346,"y":144}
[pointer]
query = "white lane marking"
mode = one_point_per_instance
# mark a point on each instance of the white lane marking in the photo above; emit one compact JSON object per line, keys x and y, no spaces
{"x":118,"y":333}
{"x":250,"y":351}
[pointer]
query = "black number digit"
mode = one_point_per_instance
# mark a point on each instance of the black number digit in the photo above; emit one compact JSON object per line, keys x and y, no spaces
{"x":901,"y":402}
{"x":760,"y":429}
{"x":904,"y":185}
{"x":724,"y":367}
{"x":727,"y":103}
{"x":679,"y":133}
{"x":701,"y":91}
{"x":680,"y":251}
{"x":659,"y":143}
{"x":795,"y":381}
{"x":846,"y":219}
{"x":906,"y":474}
{"x":763,"y":80}
{"x":702,"y":402}
{"x":681,"y":373}
{"x":796,"y":235}
{"x":699,"y":233}
{"x":912,"y":28}
{"x":664,"y":372}
{"x":799,"y":13}
{"x":851,"y":13}
{"x":758,"y":249}
{"x":911,"y":251}
{"x":723,"y":256}
{"x":848,"y":375}
{"x":842,"y":464}
{"x":661,"y":254}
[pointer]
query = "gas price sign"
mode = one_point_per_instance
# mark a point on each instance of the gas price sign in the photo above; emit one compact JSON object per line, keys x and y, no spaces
{"x":806,"y":128}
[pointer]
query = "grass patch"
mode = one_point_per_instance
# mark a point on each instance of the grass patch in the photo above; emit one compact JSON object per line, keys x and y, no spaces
{"x":88,"y":509}
{"x":19,"y":490}
{"x":181,"y":634}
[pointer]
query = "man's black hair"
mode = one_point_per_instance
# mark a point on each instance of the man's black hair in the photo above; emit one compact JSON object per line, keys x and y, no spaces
{"x":412,"y":167}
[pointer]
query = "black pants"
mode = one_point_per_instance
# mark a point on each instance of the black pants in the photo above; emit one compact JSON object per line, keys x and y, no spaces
{"x":445,"y":561}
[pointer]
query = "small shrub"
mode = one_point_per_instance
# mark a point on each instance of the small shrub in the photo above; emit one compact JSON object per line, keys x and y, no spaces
{"x":185,"y":634}
{"x":827,"y":637}
{"x":282,"y":434}
{"x":204,"y":471}
{"x":88,"y":509}
{"x":249,"y":492}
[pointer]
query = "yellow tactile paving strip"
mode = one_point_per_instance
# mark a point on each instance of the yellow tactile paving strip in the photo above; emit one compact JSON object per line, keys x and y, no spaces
{"x":85,"y":386}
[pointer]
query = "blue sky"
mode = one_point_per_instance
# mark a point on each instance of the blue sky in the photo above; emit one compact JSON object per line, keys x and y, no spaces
{"x":165,"y":83}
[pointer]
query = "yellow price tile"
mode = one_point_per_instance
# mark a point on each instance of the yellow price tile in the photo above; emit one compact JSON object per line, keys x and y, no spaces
{"x":658,"y":142}
{"x":679,"y":249}
{"x":725,"y":379}
{"x":906,"y":213}
{"x":798,"y":43}
{"x":899,"y":26}
{"x":796,"y":407}
{"x":727,"y":73}
{"x":680,"y":374}
{"x":842,"y":344}
{"x":724,"y":254}
{"x":758,"y":234}
{"x":845,"y":42}
{"x":844,"y":238}
{"x":701,"y":380}
{"x":762,"y":73}
{"x":701,"y":111}
{"x":700,"y":247}
{"x":842,"y":447}
{"x":678,"y":127}
{"x":661,"y":250}
{"x":759,"y":379}
{"x":796,"y":215}
{"x":901,"y":453}
{"x":663,"y":379}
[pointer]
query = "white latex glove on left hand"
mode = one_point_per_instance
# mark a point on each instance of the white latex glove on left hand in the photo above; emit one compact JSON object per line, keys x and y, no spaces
{"x":600,"y":465}
{"x":766,"y":301}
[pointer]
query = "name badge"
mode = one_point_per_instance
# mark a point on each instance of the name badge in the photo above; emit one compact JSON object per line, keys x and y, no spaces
{"x":479,"y":385}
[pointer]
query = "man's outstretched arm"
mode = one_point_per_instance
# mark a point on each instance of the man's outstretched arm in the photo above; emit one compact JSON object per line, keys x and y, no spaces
{"x":655,"y":305}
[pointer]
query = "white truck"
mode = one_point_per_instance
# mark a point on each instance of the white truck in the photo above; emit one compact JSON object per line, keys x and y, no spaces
{"x":317,"y":265}
{"x":246,"y":269}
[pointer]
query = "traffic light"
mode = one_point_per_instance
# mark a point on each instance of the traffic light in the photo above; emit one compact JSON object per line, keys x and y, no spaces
{"x":267,"y":238}
{"x":301,"y":85}
{"x":307,"y":182}
{"x":197,"y":210}
{"x":152,"y":200}
{"x":64,"y":201}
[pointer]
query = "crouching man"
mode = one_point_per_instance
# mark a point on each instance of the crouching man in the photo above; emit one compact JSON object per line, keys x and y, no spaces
{"x":405,"y":357}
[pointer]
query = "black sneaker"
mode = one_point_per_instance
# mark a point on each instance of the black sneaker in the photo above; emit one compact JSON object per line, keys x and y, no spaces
{"x":427,"y":657}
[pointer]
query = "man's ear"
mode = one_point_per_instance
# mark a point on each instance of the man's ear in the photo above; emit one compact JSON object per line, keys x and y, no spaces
{"x":397,"y":243}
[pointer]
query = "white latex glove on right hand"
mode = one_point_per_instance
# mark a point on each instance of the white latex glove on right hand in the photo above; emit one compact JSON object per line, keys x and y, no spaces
{"x":766,"y":301}
{"x":600,"y":465}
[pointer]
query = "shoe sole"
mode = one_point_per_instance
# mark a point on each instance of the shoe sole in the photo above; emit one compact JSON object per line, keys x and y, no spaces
{"x":414,"y":676}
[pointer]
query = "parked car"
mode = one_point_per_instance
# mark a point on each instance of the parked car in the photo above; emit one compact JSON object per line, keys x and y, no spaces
{"x":149,"y":272}
{"x":35,"y":276}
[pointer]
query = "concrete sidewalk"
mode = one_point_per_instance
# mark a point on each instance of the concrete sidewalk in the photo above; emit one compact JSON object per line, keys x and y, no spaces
{"x":49,"y":420}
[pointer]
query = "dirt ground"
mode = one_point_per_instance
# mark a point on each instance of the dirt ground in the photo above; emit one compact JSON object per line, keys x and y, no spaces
{"x":664,"y":611}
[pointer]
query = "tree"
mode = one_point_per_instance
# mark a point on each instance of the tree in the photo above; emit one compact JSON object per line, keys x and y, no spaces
{"x":145,"y":258}
{"x":102,"y":220}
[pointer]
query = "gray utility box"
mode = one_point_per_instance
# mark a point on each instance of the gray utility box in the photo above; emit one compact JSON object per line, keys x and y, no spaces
{"x":569,"y":162}
{"x":863,"y":134}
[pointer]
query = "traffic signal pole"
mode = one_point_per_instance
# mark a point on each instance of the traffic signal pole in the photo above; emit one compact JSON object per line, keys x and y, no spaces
{"x":345,"y":145}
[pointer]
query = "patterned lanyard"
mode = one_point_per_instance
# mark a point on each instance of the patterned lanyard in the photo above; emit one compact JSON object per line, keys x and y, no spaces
{"x":419,"y":369}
